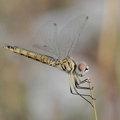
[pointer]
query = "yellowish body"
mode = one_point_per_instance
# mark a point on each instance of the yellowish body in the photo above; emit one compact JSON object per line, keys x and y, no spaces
{"x":67,"y":64}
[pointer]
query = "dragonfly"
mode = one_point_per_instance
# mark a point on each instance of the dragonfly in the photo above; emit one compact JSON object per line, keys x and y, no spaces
{"x":60,"y":46}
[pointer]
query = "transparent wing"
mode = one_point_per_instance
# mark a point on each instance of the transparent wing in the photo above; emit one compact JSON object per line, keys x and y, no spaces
{"x":46,"y":37}
{"x":61,"y":45}
{"x":45,"y":48}
{"x":69,"y":36}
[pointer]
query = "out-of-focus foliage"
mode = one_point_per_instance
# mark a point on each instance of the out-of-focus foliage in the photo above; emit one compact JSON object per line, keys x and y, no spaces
{"x":44,"y":93}
{"x":12,"y":92}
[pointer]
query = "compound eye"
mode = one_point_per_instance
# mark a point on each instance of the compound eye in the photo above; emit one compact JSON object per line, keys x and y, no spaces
{"x":81,"y":67}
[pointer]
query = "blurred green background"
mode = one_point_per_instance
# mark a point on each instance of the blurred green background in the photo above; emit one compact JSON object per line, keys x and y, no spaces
{"x":30,"y":90}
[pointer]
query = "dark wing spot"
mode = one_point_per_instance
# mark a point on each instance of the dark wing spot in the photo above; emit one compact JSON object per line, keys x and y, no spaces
{"x":55,"y":24}
{"x":87,"y":18}
{"x":45,"y":45}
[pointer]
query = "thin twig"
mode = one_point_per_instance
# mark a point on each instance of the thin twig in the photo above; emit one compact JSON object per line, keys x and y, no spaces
{"x":93,"y":102}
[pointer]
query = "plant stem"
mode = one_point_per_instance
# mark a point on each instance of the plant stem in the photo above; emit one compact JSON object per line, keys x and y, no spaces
{"x":93,"y":102}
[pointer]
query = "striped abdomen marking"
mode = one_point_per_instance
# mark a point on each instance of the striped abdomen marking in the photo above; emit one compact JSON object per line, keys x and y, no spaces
{"x":39,"y":57}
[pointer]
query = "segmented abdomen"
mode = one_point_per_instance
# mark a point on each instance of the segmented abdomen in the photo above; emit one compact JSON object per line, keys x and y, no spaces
{"x":68,"y":65}
{"x":39,"y":57}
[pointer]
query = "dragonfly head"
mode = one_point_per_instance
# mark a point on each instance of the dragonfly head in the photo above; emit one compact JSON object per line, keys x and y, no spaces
{"x":81,"y":69}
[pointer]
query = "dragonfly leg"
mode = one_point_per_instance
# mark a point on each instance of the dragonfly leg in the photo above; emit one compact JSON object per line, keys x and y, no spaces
{"x":80,"y":94}
{"x":77,"y":93}
{"x":86,"y":88}
{"x":84,"y":81}
{"x":78,"y":82}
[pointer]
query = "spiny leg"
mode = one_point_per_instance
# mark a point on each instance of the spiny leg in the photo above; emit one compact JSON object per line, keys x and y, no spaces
{"x":78,"y":82}
{"x":80,"y":94}
{"x":77,"y":85}
{"x":77,"y":93}
{"x":81,"y":81}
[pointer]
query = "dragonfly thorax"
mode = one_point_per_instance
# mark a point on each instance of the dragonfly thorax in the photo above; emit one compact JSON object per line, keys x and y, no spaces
{"x":68,"y":65}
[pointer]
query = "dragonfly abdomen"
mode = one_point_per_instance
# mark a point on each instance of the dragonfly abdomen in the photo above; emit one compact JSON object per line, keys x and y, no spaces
{"x":38,"y":57}
{"x":67,"y":65}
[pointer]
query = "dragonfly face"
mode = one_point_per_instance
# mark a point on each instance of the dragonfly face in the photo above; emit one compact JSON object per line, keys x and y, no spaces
{"x":81,"y":69}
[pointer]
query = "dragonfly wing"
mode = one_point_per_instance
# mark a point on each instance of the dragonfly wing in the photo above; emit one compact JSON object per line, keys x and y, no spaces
{"x":69,"y":36}
{"x":46,"y":37}
{"x":45,"y":48}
